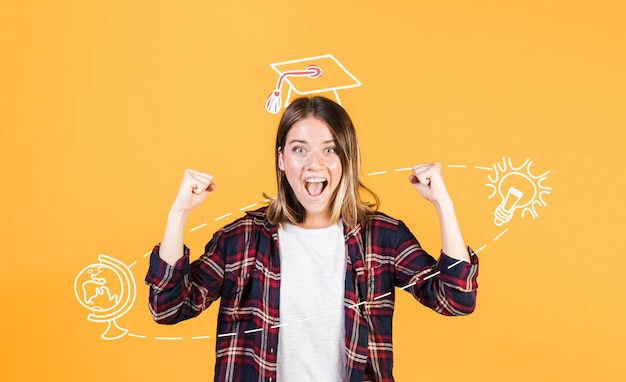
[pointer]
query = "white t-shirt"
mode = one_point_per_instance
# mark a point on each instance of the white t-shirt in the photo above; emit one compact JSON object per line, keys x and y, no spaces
{"x":311,"y":344}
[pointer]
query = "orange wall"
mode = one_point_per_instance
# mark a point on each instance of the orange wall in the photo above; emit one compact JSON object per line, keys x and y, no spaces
{"x":104,"y":104}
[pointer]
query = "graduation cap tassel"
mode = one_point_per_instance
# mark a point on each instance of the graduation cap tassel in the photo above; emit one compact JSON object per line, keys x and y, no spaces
{"x":273,"y":103}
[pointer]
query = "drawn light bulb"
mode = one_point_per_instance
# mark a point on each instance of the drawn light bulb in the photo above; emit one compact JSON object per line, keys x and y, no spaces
{"x":518,"y":190}
{"x":512,"y":198}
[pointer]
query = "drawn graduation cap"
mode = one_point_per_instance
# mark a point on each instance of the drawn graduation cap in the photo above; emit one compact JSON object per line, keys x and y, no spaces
{"x":309,"y":75}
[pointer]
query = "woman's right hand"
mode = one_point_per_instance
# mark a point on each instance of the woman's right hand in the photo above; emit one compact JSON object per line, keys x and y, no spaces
{"x":195,"y":187}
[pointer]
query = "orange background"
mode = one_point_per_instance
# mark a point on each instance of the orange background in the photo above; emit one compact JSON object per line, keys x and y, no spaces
{"x":104,"y":104}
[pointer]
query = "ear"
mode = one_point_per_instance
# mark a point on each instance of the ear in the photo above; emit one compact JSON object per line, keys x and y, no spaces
{"x":281,"y":164}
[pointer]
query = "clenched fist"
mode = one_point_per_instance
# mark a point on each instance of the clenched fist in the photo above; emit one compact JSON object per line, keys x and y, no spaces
{"x":428,"y":180}
{"x":193,"y":190}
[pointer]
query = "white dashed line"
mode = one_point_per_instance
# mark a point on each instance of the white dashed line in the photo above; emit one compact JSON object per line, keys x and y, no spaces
{"x":247,"y":207}
{"x":500,"y":235}
{"x":350,"y":306}
{"x":382,"y":295}
{"x":377,"y":173}
{"x":431,"y":276}
{"x":200,"y":337}
{"x":198,"y":227}
{"x":407,"y":286}
{"x":227,"y":335}
{"x":223,"y":216}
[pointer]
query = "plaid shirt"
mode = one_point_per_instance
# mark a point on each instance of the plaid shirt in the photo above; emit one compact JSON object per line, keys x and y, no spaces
{"x":241,"y":265}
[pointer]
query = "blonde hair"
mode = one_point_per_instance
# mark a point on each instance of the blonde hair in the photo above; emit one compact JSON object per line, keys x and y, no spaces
{"x":347,"y":203}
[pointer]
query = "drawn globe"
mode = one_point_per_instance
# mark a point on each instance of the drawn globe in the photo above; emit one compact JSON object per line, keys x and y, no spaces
{"x":107,"y":289}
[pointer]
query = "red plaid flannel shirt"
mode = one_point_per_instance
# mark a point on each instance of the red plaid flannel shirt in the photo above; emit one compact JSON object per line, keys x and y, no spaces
{"x":241,"y":266}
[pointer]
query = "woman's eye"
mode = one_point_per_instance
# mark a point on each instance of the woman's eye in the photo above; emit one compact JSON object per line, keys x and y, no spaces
{"x":330,"y":150}
{"x":298,"y":150}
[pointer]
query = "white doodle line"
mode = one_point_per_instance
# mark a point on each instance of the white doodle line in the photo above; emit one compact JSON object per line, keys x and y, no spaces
{"x":353,"y":306}
{"x":291,"y":88}
{"x":200,"y":337}
{"x":376,"y":173}
{"x":248,"y":207}
{"x":198,"y":227}
{"x":500,"y":235}
{"x":161,"y":338}
{"x":223,"y":216}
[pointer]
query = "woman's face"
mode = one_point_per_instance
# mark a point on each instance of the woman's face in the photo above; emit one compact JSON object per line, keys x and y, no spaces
{"x":312,"y":167}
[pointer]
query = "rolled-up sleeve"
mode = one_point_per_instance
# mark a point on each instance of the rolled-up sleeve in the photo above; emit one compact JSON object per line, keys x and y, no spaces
{"x":446,"y":285}
{"x":163,"y":276}
{"x":458,"y":280}
{"x":183,"y":290}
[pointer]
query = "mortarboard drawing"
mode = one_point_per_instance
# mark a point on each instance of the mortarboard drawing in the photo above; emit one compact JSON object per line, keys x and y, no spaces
{"x":310,"y":75}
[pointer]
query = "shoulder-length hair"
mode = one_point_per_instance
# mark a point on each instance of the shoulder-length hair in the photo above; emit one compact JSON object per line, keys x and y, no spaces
{"x":347,"y":203}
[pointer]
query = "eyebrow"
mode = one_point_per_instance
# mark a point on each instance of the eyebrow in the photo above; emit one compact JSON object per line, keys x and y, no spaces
{"x":301,"y":141}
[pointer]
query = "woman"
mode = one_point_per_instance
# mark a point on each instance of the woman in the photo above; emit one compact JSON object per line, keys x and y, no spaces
{"x":307,"y":283}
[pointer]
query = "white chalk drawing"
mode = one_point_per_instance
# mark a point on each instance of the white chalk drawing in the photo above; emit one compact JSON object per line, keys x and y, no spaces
{"x":310,"y":75}
{"x":518,"y":189}
{"x":273,"y":102}
{"x":107,"y":289}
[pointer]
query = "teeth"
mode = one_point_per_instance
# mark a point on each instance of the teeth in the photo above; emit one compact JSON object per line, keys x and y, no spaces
{"x":315,"y":180}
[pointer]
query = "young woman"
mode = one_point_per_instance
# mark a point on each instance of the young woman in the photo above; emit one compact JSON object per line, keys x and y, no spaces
{"x":307,"y":284}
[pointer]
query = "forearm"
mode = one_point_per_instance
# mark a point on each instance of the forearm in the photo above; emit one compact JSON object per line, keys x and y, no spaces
{"x":452,"y":243}
{"x":172,"y":246}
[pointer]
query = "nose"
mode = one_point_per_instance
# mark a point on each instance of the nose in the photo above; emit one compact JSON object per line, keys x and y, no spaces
{"x":315,"y":160}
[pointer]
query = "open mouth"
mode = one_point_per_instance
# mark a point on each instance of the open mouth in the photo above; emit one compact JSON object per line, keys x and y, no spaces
{"x":315,"y":186}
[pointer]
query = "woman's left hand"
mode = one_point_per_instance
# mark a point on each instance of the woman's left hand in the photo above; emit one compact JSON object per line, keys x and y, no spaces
{"x":428,"y":180}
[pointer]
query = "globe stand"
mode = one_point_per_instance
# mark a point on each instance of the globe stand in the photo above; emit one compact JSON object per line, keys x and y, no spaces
{"x":113,"y":331}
